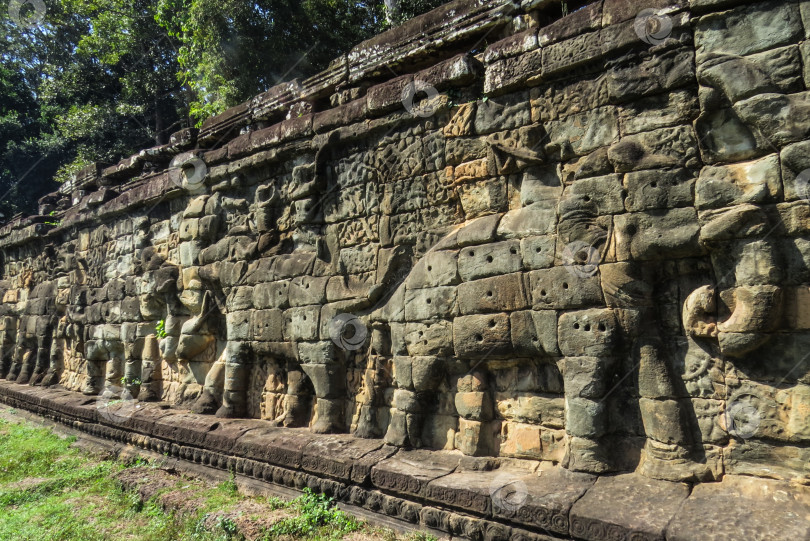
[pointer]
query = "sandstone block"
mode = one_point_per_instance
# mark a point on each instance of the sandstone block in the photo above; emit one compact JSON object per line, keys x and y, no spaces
{"x":429,"y":338}
{"x":482,"y":336}
{"x":747,"y":29}
{"x":323,"y":352}
{"x":558,"y":288}
{"x":534,"y":332}
{"x":496,"y":294}
{"x":268,"y":325}
{"x":592,"y":333}
{"x":538,"y":252}
{"x":489,"y":260}
{"x":650,"y":506}
{"x":535,"y":219}
{"x":304,"y":290}
{"x":436,"y":268}
{"x":430,"y":303}
{"x":659,"y":189}
{"x":301,"y":323}
{"x":657,"y":234}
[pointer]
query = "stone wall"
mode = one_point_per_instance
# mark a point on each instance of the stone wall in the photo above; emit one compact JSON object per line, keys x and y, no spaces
{"x":580,"y":241}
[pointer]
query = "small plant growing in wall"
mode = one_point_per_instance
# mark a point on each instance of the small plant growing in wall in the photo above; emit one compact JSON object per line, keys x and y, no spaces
{"x":56,"y":223}
{"x":160,"y":328}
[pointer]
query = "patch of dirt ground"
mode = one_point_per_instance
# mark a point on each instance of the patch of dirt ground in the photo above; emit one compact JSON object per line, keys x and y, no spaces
{"x":147,"y":482}
{"x":182,"y":495}
{"x":29,"y":483}
{"x":252,"y":519}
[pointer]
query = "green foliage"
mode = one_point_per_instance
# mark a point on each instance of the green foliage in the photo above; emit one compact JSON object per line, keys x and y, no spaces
{"x":399,"y":11}
{"x":422,"y":536}
{"x":316,"y":513}
{"x":51,"y":491}
{"x":101,"y":79}
{"x":94,"y":82}
{"x":231,"y":50}
{"x":160,"y":329}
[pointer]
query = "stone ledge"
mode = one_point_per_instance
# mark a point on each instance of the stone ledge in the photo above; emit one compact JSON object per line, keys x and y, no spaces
{"x":456,"y":497}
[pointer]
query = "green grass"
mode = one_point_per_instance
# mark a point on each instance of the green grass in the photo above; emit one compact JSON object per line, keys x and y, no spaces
{"x":317,"y":518}
{"x":52,"y":491}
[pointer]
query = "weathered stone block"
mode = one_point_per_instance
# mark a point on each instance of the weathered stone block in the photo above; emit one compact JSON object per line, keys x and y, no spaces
{"x":780,"y":118}
{"x":588,"y":332}
{"x":658,"y":111}
{"x":534,"y":332}
{"x":664,"y":420}
{"x":476,"y":405}
{"x":747,"y":29}
{"x":238,"y":325}
{"x":535,"y":219}
{"x":651,"y":505}
{"x":268,"y":325}
{"x":538,"y":252}
{"x":662,"y":148}
{"x":323,"y":352}
{"x":743,"y":513}
{"x":640,"y":235}
{"x":430,"y":303}
{"x":658,"y":73}
{"x":476,"y":438}
{"x":436,"y":268}
{"x":743,"y":77}
{"x":496,"y":294}
{"x":584,"y":132}
{"x":502,"y":113}
{"x":482,"y":336}
{"x":586,"y":377}
{"x":658,"y":189}
{"x":560,"y":289}
{"x":400,"y":474}
{"x":483,"y":197}
{"x":271,"y":295}
{"x":605,"y":192}
{"x":429,"y":338}
{"x":304,"y":290}
{"x":795,"y":159}
{"x":489,"y":260}
{"x":301,"y":323}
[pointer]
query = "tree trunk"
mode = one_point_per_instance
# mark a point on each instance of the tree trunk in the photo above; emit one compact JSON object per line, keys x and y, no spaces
{"x":392,"y":11}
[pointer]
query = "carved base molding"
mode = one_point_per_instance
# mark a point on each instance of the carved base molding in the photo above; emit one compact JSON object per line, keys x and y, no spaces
{"x":446,"y":492}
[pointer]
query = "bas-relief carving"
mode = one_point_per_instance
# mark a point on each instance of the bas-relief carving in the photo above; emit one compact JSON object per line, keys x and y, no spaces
{"x":534,"y":289}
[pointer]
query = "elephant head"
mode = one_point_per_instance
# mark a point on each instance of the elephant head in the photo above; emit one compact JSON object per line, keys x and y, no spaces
{"x":746,"y":304}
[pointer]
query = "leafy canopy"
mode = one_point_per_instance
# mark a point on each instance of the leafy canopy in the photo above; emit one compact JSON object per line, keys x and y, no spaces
{"x":98,"y":80}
